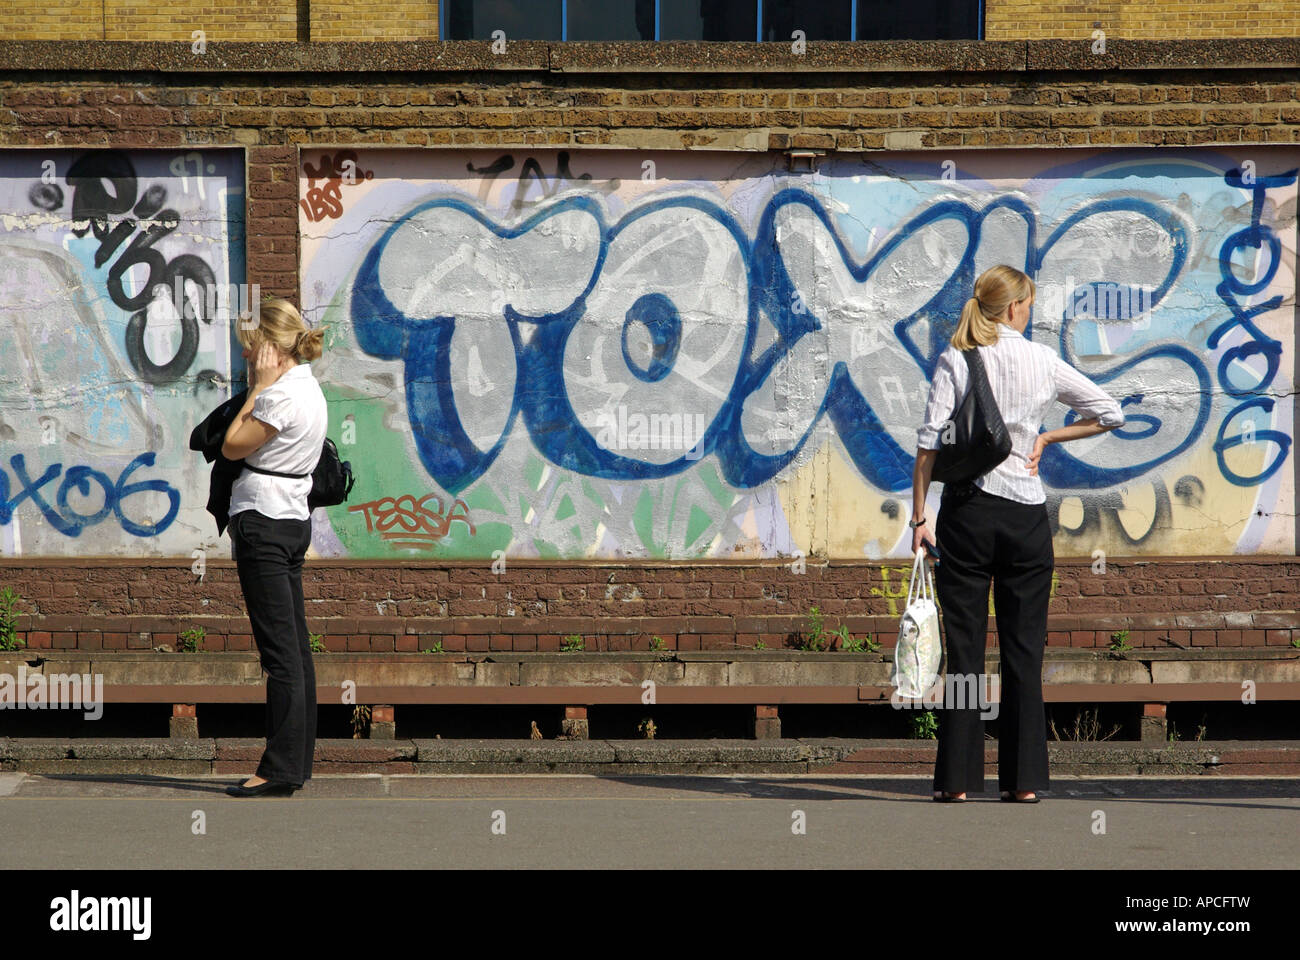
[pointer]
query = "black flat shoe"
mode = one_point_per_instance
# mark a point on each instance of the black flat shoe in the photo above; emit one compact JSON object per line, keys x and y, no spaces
{"x":1009,"y":797}
{"x":271,"y":788}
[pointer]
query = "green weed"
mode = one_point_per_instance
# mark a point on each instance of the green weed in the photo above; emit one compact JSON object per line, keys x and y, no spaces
{"x":9,"y":599}
{"x":925,"y":725}
{"x":1119,"y":642}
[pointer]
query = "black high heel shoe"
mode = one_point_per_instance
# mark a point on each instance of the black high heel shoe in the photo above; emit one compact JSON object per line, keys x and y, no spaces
{"x":1009,"y":796}
{"x":271,"y":788}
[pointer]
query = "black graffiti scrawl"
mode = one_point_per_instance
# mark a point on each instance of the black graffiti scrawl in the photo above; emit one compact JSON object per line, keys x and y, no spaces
{"x":113,"y":343}
{"x":107,"y":198}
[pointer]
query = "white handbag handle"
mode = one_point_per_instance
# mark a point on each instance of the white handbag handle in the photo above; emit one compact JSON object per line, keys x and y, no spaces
{"x":917,"y":586}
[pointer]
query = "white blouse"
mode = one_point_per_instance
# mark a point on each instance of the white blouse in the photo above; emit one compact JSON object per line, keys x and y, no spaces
{"x":294,"y":405}
{"x":1026,"y":379}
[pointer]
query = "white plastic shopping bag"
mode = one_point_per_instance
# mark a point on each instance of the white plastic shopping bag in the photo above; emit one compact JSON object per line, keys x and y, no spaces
{"x":919,"y":650}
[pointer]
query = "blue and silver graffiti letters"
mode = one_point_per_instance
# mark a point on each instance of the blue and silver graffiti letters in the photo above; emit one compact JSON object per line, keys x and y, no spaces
{"x":90,"y":484}
{"x":1257,"y":236}
{"x":559,"y":321}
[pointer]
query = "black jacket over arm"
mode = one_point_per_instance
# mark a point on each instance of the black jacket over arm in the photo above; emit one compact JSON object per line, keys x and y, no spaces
{"x":207,"y":438}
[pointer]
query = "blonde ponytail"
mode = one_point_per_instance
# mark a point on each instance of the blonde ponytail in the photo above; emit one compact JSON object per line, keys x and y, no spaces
{"x":995,"y":290}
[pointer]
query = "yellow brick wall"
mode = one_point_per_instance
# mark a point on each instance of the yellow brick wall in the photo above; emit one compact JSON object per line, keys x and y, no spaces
{"x":52,"y":20}
{"x":1184,"y":19}
{"x":218,"y":19}
{"x":381,"y":20}
{"x":148,"y":19}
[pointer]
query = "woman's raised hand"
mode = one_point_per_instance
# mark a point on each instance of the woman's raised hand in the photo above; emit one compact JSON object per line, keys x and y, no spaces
{"x":266,"y":368}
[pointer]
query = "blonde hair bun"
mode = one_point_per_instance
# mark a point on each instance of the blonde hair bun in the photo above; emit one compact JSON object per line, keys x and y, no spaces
{"x":279,"y":322}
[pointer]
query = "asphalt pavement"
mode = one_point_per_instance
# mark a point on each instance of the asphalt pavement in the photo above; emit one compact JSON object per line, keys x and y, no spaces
{"x":751,"y":822}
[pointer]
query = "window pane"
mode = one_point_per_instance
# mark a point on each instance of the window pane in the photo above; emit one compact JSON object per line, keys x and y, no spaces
{"x":818,"y":19}
{"x":520,"y":19}
{"x":611,"y":19}
{"x":708,"y":20}
{"x":918,"y":20}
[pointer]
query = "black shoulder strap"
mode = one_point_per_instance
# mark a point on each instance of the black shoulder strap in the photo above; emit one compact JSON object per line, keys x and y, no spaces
{"x":976,"y":364}
{"x":979,"y":384}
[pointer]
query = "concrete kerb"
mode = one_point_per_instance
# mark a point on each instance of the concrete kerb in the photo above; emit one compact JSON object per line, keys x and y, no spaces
{"x":618,"y":757}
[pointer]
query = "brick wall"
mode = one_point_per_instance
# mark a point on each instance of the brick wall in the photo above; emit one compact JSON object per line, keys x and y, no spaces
{"x":136,"y":20}
{"x":913,"y":96}
{"x":322,"y":20}
{"x":52,"y":20}
{"x":379,"y":20}
{"x":408,"y":606}
{"x":1035,"y":19}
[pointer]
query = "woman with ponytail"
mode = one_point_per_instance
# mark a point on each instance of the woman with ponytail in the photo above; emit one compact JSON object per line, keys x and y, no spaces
{"x":280,"y":428}
{"x":996,"y":529}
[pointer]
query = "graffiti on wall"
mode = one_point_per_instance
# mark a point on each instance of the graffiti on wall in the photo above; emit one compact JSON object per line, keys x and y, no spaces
{"x":691,"y":354}
{"x":669,"y":355}
{"x":115,"y":274}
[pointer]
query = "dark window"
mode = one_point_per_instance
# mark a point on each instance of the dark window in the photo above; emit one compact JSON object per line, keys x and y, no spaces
{"x":713,"y":19}
{"x":611,"y":20}
{"x":918,"y":20}
{"x":818,"y":19}
{"x":477,"y":19}
{"x":708,"y":20}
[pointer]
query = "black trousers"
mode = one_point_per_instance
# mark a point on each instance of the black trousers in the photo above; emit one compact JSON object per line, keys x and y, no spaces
{"x":982,"y":537}
{"x":269,"y":555}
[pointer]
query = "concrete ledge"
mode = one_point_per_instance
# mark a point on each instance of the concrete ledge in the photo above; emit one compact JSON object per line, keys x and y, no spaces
{"x":881,"y":56}
{"x":433,"y":752}
{"x":708,"y":751}
{"x":141,"y":748}
{"x":532,"y":56}
{"x":240,"y":56}
{"x":636,"y":757}
{"x":350,"y":751}
{"x":1123,"y":54}
{"x":633,"y":627}
{"x":578,"y":679}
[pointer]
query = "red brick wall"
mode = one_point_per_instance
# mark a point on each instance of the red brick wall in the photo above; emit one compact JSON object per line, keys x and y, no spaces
{"x":728,"y":96}
{"x":114,"y":604}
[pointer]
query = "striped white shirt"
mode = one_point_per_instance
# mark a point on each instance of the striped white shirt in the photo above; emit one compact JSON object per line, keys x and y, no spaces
{"x":1026,"y":379}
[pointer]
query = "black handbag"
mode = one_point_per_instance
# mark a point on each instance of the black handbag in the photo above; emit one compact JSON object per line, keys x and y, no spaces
{"x":331,"y":481}
{"x":980,"y":438}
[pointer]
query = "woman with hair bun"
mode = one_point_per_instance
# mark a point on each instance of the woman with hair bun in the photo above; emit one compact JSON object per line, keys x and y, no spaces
{"x":996,"y":529}
{"x":281,"y":428}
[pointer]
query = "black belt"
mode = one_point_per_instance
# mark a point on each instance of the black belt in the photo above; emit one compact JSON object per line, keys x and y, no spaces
{"x":276,"y":473}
